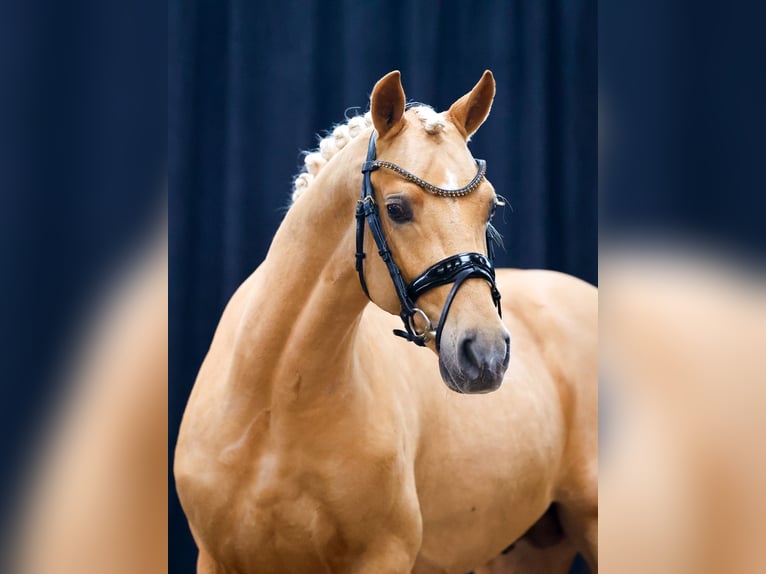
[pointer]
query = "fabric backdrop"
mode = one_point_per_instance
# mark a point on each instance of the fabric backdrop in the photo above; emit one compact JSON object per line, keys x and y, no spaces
{"x":252,"y":83}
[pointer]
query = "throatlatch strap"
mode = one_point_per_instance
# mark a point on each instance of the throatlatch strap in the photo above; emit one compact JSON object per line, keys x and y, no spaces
{"x":365,"y":208}
{"x":360,"y":216}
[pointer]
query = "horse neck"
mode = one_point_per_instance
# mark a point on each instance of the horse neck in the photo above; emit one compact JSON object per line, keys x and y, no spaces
{"x":295,"y":341}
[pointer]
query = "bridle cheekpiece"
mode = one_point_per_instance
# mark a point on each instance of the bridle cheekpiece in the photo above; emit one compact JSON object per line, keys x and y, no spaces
{"x":455,"y":269}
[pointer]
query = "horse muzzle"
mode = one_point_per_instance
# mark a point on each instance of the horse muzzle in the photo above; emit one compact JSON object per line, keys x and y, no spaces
{"x":475,"y":362}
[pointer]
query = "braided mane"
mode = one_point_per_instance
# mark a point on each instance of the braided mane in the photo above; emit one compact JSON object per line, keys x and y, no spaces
{"x":342,"y":134}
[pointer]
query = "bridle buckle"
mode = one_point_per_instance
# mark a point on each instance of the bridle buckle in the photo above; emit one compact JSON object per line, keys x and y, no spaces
{"x":428,"y":331}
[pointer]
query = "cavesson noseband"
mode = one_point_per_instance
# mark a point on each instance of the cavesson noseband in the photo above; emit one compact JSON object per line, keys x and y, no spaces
{"x":455,"y":269}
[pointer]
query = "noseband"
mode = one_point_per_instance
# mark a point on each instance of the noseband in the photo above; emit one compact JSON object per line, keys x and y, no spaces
{"x":455,"y":269}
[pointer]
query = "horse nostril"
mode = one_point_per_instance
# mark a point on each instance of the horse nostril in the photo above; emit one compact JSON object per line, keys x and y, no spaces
{"x":507,"y":355}
{"x":475,"y":356}
{"x":468,"y":351}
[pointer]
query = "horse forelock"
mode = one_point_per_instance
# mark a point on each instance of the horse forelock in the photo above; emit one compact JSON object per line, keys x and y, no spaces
{"x":329,"y":146}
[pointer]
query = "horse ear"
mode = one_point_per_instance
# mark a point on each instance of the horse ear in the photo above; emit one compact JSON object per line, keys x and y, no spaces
{"x":387,"y":104}
{"x":470,"y":111}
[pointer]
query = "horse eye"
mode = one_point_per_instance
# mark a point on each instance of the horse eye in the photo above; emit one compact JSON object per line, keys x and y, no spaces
{"x":397,"y":212}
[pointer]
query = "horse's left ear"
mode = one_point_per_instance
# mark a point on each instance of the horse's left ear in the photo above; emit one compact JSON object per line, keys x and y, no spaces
{"x":470,"y":111}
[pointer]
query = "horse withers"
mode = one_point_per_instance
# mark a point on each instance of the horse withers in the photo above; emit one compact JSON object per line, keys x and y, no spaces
{"x":315,"y":441}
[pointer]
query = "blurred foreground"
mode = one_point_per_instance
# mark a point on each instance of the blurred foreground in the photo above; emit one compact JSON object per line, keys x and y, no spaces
{"x":683,"y":396}
{"x":95,"y":499}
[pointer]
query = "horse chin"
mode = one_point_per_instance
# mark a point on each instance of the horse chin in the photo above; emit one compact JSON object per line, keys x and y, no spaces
{"x":458,"y":382}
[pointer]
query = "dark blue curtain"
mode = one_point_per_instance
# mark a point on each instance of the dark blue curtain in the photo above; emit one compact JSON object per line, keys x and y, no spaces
{"x":252,"y":83}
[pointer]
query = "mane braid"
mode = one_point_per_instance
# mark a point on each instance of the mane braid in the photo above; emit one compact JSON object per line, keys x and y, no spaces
{"x":342,"y":134}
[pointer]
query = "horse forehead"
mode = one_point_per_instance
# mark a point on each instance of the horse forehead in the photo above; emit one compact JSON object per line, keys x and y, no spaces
{"x":441,"y":158}
{"x":450,"y":179}
{"x":457,"y":216}
{"x":444,"y":164}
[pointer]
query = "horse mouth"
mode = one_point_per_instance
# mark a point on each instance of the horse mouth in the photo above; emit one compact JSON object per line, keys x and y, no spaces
{"x":458,"y":381}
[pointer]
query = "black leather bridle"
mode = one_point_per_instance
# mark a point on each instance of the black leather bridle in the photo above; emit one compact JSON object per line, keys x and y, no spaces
{"x":455,"y":269}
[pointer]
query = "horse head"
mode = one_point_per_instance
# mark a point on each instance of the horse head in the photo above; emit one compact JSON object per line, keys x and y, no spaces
{"x":421,"y":178}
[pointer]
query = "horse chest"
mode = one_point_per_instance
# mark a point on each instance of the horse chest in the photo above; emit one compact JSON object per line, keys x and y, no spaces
{"x":266,"y":521}
{"x":283,"y":514}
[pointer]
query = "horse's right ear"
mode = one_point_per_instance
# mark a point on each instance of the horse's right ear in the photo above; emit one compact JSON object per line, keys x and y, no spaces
{"x":387,"y":104}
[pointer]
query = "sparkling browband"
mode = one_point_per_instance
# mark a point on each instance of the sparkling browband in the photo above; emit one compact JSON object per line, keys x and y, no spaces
{"x":429,"y":187}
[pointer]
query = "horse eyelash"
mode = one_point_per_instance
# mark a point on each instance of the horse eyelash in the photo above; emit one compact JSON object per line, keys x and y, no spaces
{"x":495,"y":235}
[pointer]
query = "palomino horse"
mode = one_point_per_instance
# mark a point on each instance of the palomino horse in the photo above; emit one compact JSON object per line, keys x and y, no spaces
{"x":315,"y":441}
